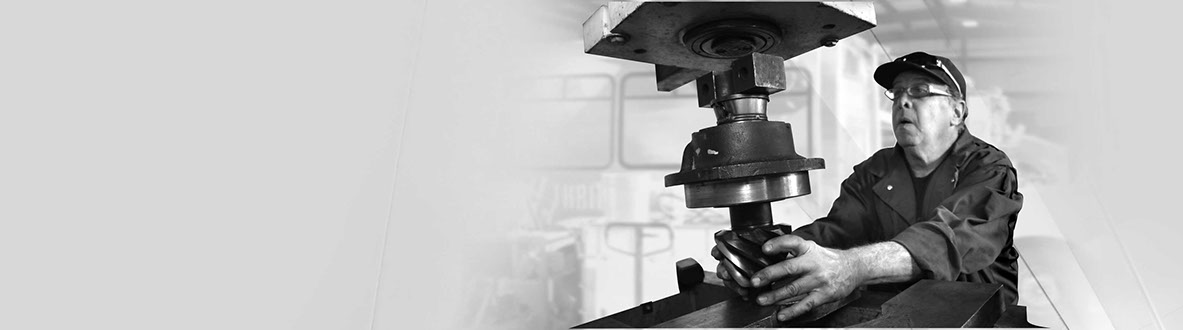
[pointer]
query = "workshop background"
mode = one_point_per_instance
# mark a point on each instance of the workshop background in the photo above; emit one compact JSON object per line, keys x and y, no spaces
{"x":462,"y":164}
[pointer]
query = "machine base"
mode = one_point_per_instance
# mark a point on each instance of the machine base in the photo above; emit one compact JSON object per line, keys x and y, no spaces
{"x":925,"y":304}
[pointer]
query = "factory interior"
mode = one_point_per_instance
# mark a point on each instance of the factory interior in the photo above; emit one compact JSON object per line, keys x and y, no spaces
{"x":604,"y":232}
{"x":470,"y":164}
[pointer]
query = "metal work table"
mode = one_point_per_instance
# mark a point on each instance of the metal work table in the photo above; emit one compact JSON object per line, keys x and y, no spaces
{"x":704,"y":302}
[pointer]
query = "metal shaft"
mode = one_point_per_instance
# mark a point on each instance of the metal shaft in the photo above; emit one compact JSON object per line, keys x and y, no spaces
{"x":742,"y":107}
{"x":751,"y":215}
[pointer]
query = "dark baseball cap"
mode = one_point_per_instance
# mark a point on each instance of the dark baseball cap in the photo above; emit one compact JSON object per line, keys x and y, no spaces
{"x":936,"y":66}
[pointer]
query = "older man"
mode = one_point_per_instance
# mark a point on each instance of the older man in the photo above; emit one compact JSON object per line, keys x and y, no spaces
{"x":941,"y":204}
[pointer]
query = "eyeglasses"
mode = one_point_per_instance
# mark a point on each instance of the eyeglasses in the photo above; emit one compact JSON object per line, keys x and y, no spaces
{"x":930,"y":61}
{"x":916,"y":91}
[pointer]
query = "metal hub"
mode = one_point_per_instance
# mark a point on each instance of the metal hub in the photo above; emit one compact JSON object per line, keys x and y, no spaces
{"x":742,"y":162}
{"x":731,"y":38}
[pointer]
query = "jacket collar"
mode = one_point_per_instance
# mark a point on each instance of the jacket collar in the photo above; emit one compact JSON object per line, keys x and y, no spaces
{"x":895,"y":184}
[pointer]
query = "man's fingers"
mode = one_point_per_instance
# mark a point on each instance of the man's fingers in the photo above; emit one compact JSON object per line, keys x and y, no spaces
{"x":725,"y":275}
{"x":790,"y":244}
{"x":742,"y":291}
{"x":734,"y":274}
{"x":715,"y":253}
{"x":812,"y":300}
{"x":797,"y":289}
{"x":780,"y":270}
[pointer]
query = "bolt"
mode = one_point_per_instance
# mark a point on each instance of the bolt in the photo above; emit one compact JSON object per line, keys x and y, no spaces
{"x":830,"y":42}
{"x":617,"y":38}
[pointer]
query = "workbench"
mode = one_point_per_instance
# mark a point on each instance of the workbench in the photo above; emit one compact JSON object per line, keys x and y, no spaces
{"x":704,"y":302}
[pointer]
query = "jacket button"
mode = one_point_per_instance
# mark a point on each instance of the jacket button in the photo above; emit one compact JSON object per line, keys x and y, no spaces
{"x":889,"y":187}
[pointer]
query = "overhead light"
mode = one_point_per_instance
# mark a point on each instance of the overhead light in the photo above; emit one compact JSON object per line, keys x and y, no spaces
{"x":969,"y":23}
{"x":957,"y":2}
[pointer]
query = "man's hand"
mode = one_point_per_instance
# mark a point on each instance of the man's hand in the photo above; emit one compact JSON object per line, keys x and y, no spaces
{"x":730,"y":276}
{"x":820,"y":274}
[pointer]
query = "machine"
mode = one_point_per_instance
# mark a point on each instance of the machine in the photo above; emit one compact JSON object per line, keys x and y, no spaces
{"x":734,"y":53}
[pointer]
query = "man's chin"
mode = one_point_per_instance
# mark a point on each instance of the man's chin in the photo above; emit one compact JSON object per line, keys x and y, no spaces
{"x":906,"y":141}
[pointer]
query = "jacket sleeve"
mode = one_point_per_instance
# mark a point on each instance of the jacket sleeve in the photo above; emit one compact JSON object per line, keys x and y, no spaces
{"x":970,"y":228}
{"x":843,"y":227}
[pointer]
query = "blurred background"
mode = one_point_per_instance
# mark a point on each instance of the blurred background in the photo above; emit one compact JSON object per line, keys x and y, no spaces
{"x":462,"y":164}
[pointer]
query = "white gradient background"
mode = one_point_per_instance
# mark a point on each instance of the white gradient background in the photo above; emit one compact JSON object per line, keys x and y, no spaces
{"x":339,"y":164}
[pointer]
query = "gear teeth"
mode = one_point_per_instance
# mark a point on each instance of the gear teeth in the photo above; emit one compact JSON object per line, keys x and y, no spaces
{"x":744,"y":247}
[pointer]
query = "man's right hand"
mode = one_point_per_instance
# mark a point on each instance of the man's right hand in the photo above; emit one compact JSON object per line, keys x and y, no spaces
{"x":730,"y":276}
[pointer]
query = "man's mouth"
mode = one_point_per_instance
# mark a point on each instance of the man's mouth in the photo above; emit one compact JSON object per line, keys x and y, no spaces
{"x":905,"y":121}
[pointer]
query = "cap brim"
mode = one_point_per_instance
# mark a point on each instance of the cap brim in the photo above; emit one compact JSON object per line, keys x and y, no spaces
{"x":886,"y":73}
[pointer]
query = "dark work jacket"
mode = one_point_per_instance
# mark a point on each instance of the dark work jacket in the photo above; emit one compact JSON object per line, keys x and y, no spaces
{"x":966,"y":231}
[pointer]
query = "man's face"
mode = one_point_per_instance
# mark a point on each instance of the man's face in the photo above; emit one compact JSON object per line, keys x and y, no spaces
{"x":922,"y":121}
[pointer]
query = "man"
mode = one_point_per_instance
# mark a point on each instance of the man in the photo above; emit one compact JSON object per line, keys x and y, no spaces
{"x":941,"y":204}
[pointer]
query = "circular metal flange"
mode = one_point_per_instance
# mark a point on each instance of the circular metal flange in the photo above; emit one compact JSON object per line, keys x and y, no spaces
{"x":744,"y":171}
{"x":738,"y":151}
{"x":732,"y":38}
{"x":749,"y":190}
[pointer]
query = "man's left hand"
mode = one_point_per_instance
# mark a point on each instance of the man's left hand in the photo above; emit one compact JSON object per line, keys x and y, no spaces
{"x":822,"y":275}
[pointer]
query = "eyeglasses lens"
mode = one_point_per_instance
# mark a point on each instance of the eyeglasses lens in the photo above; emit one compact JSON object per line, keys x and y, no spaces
{"x":915,"y":91}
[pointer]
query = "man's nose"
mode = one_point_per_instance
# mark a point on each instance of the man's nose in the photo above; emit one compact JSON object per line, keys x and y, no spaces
{"x":902,"y":102}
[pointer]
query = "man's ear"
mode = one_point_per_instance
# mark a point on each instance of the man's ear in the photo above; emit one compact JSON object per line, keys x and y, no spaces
{"x":959,"y":113}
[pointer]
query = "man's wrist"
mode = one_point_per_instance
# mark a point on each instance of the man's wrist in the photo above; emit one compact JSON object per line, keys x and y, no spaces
{"x":860,"y":267}
{"x":883,"y":262}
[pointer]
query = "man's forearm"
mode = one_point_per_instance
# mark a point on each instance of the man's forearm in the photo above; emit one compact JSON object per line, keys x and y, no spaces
{"x":884,"y":262}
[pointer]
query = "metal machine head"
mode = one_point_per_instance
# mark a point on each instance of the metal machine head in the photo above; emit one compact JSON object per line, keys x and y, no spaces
{"x":689,"y":39}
